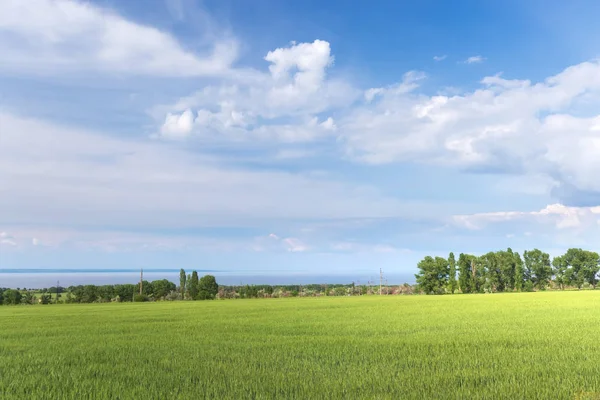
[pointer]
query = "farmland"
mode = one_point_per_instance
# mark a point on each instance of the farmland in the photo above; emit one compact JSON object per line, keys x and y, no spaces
{"x":512,"y":345}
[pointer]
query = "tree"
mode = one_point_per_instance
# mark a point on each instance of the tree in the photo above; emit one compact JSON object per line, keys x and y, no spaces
{"x":538,"y":268}
{"x":518,"y":272}
{"x":433,"y":275}
{"x":208,"y":287}
{"x":576,"y":267}
{"x":12,"y":296}
{"x":559,"y":271}
{"x":470,"y":277}
{"x":182,"y":281}
{"x":162,"y":288}
{"x":194,"y":288}
{"x":495,"y":279}
{"x":452,"y":285}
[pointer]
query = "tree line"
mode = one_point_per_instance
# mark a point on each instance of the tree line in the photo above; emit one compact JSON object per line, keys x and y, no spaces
{"x":500,"y":271}
{"x":507,"y":271}
{"x":191,"y":288}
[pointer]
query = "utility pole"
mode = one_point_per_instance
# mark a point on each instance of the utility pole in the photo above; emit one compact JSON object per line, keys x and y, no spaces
{"x":380,"y":280}
{"x":386,"y":286}
{"x":57,"y":292}
{"x":141,"y":279}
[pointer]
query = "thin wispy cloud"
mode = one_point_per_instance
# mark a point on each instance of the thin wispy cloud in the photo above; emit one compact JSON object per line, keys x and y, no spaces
{"x":440,"y":58}
{"x":474,"y":60}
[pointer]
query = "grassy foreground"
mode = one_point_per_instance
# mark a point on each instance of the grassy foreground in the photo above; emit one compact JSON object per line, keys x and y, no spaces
{"x":513,"y":346}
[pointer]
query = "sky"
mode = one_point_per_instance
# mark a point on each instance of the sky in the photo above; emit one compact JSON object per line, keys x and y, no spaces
{"x":293,"y":141}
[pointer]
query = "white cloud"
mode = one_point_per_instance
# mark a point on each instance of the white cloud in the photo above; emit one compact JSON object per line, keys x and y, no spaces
{"x":57,"y":36}
{"x":295,"y":245}
{"x":58,"y":175}
{"x":281,"y":105}
{"x":474,"y":60}
{"x":178,"y":126}
{"x":273,"y":242}
{"x":556,"y":215}
{"x":7,"y":240}
{"x":507,"y":125}
{"x":440,"y":58}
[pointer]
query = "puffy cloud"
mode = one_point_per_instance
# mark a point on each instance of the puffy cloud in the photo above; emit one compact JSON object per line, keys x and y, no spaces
{"x":512,"y":126}
{"x":54,"y":36}
{"x":284,"y":104}
{"x":439,"y":58}
{"x":178,"y":126}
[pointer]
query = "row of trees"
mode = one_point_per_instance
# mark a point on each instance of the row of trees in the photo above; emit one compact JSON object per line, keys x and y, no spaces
{"x":193,"y":288}
{"x":505,"y":270}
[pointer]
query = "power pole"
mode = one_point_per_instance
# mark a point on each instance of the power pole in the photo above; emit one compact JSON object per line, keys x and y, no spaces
{"x":386,"y":286}
{"x":141,"y":279}
{"x":380,"y":280}
{"x":57,"y":286}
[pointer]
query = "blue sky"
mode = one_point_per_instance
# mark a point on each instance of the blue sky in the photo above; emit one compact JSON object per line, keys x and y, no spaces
{"x":321,"y":140}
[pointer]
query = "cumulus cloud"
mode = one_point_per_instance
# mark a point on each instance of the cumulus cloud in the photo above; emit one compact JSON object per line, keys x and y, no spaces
{"x":54,"y":36}
{"x":440,"y":58}
{"x":512,"y":126}
{"x":286,"y":104}
{"x":178,"y":126}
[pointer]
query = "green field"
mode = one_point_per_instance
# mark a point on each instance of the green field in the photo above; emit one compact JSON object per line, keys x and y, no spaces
{"x":524,"y":345}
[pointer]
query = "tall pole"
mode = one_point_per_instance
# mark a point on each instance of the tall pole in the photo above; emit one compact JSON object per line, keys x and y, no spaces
{"x":57,"y":286}
{"x":141,"y":279}
{"x":380,"y":279}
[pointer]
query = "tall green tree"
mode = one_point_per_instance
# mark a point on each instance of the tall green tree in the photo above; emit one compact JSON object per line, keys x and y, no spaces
{"x":472,"y":273}
{"x":576,"y":267}
{"x":465,"y":282}
{"x":208,"y":287}
{"x":452,"y":284}
{"x":194,"y":285}
{"x":508,"y":267}
{"x":518,"y":271}
{"x":433,"y":275}
{"x":538,"y":268}
{"x":494,"y":281}
{"x":182,"y":277}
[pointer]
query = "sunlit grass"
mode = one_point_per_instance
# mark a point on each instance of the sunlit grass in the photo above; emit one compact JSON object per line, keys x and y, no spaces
{"x":526,"y":345}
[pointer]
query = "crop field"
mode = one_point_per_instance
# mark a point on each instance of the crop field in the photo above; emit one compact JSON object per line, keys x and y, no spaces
{"x":524,"y":345}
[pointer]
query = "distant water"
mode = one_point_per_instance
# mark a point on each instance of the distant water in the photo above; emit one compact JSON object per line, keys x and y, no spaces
{"x":39,"y":277}
{"x":87,"y":270}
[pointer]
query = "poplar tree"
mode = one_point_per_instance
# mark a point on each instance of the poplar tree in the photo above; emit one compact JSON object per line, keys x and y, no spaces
{"x":452,"y":285}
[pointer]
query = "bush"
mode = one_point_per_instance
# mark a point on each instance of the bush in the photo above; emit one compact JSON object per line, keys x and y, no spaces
{"x":139,"y":298}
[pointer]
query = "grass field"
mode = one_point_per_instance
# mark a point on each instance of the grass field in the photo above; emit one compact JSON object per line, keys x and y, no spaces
{"x":512,"y":346}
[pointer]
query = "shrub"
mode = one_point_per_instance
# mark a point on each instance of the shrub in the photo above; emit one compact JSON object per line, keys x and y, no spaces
{"x":138,"y":298}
